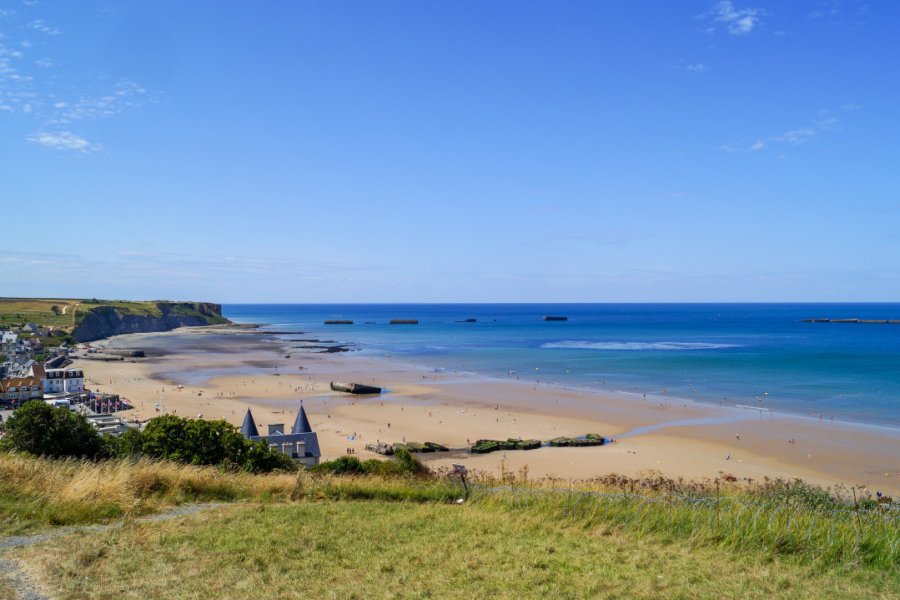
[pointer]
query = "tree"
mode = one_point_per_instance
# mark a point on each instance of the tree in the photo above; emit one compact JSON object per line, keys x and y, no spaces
{"x":42,"y":430}
{"x":199,"y":442}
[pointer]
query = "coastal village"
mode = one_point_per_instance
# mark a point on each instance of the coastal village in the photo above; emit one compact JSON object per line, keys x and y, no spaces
{"x":31,"y":370}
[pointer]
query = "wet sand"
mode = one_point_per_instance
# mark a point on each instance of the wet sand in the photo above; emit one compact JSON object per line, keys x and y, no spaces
{"x":225,"y":371}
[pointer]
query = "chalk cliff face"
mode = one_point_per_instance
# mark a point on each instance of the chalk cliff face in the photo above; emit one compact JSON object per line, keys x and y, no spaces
{"x":105,"y":321}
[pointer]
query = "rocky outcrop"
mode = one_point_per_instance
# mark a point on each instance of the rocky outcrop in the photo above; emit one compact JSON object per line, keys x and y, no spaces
{"x":102,"y":321}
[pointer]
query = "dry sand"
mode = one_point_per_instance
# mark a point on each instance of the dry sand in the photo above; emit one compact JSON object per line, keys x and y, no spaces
{"x":226,"y":371}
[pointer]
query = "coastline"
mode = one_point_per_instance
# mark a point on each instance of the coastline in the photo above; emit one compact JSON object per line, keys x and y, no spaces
{"x":678,"y":438}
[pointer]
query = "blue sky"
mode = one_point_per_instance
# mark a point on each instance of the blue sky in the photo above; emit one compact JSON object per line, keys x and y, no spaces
{"x":450,"y":151}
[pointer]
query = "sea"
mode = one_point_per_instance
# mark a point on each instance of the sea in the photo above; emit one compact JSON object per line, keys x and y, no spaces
{"x":760,"y":355}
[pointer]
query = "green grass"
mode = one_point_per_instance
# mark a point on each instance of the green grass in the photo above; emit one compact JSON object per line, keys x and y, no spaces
{"x":824,"y":533}
{"x":16,"y":312}
{"x":23,"y":513}
{"x":357,"y":535}
{"x":353,"y":549}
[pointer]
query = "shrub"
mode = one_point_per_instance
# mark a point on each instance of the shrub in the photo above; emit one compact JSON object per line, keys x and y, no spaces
{"x":198,"y":442}
{"x":41,"y":430}
{"x":402,"y":464}
{"x":343,"y":465}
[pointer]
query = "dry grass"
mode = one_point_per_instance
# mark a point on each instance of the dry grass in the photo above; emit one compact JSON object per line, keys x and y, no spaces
{"x":37,"y":493}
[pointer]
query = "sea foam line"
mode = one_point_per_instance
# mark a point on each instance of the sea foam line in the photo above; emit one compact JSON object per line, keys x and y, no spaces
{"x":589,"y":345}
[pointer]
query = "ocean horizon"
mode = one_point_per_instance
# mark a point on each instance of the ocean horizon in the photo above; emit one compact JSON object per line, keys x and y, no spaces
{"x":736,"y":354}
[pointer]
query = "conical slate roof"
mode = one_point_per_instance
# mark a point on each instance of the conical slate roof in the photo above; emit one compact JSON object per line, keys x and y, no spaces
{"x":248,"y":429}
{"x":301,"y":424}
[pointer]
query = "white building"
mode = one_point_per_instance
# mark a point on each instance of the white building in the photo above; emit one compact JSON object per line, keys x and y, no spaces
{"x":64,"y":381}
{"x":8,"y":341}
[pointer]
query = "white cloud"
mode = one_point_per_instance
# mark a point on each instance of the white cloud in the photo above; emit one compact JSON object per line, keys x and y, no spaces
{"x":793,"y":137}
{"x":696,"y":68}
{"x":6,"y":52}
{"x":30,"y":92}
{"x":738,"y":21}
{"x":40,"y":25}
{"x":125,"y":94}
{"x":796,"y":137}
{"x":63,"y":140}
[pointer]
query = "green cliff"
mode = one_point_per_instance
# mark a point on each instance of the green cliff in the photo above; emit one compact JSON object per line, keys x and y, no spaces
{"x":94,"y":321}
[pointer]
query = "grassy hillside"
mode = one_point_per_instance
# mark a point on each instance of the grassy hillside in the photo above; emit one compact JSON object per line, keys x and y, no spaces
{"x":335,"y":536}
{"x":67,"y":314}
{"x":361,"y":549}
{"x":150,"y":309}
{"x":16,"y":312}
{"x":63,"y":313}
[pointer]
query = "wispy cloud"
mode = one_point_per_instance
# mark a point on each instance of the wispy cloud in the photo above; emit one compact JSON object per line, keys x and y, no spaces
{"x":824,"y":121}
{"x":124,"y":94}
{"x":40,"y":25}
{"x":158,"y":270}
{"x":609,"y":236}
{"x":696,"y":68}
{"x":737,"y":21}
{"x":30,"y":88}
{"x":63,"y":140}
{"x":837,"y":12}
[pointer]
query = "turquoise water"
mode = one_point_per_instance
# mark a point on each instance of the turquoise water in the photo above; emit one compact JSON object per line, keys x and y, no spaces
{"x":738,"y":354}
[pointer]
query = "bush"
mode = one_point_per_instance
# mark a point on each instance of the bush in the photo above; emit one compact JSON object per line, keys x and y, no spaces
{"x":39,"y":429}
{"x":403,"y":464}
{"x":344,"y":465}
{"x":198,"y":442}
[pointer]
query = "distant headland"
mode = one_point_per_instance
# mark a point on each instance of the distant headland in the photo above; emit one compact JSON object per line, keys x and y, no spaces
{"x":85,"y":320}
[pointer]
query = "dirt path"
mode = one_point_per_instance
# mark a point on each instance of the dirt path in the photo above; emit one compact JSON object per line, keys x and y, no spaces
{"x":16,"y":578}
{"x":66,"y":308}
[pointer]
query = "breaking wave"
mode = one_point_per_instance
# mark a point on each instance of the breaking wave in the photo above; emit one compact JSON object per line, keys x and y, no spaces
{"x":586,"y":345}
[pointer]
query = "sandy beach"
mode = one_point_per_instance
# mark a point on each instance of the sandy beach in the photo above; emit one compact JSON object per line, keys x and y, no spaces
{"x":224,"y":371}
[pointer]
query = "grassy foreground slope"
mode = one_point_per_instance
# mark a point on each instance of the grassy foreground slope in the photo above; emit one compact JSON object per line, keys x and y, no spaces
{"x":362,"y":549}
{"x":39,"y":494}
{"x":327,"y":535}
